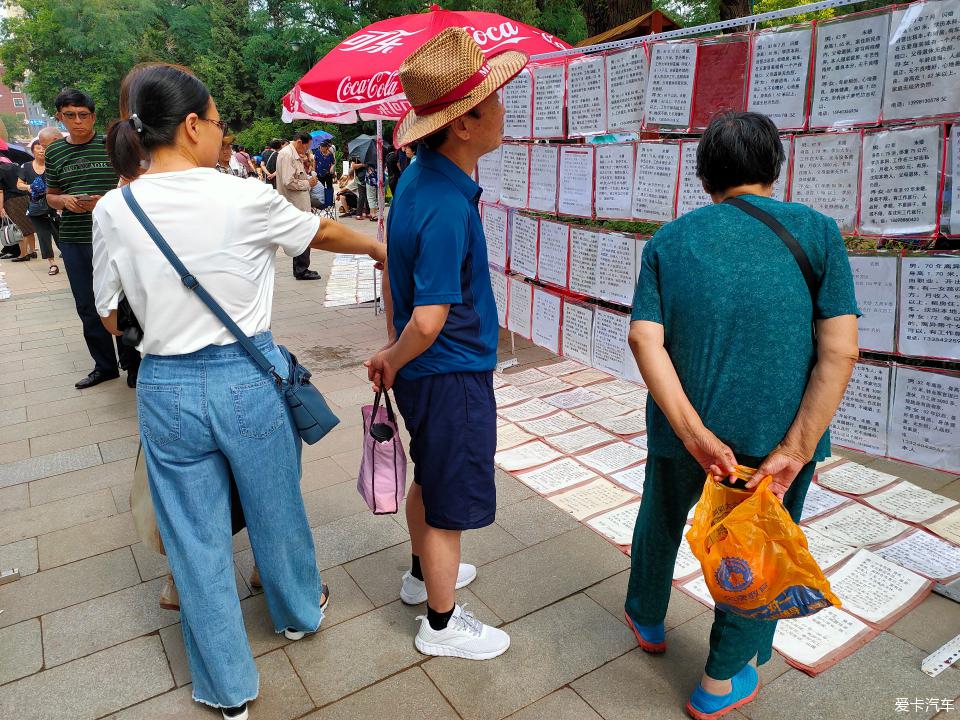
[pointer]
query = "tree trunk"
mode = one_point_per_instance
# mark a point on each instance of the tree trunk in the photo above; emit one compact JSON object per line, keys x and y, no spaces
{"x":603,"y":15}
{"x":732,"y":9}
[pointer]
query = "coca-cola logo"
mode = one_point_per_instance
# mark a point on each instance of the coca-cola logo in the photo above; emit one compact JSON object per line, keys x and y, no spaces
{"x":496,"y":36}
{"x":378,"y":87}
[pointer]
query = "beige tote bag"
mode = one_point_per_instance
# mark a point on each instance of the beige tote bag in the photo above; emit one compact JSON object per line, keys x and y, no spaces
{"x":141,"y":505}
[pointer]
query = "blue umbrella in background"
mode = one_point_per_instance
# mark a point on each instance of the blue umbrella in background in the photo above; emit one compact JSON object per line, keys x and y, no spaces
{"x":318,"y":137}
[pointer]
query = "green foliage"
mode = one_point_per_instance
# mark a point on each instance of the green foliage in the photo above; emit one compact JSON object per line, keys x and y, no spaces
{"x":14,"y":126}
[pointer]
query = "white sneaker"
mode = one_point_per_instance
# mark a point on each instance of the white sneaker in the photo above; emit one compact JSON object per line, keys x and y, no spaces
{"x":464,"y":636}
{"x":414,"y":592}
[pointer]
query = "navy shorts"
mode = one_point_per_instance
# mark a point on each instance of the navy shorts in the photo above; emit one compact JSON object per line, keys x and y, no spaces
{"x":452,"y":420}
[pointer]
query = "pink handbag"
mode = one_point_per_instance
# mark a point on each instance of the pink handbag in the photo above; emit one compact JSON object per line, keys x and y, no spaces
{"x":383,"y":468}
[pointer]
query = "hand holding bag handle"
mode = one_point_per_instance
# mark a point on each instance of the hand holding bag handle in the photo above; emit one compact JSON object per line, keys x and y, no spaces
{"x":310,"y":411}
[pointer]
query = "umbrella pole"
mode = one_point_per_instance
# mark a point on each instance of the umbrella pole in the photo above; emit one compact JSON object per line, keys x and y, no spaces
{"x":380,"y":210}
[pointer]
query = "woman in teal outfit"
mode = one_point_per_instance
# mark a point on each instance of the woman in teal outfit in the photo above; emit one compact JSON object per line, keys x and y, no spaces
{"x":722,"y":332}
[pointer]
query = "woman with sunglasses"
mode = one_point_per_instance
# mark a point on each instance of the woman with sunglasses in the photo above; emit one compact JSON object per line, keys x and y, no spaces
{"x":207,"y":411}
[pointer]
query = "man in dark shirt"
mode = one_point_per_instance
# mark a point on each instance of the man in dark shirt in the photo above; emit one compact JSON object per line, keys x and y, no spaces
{"x":326,"y":163}
{"x":269,"y":163}
{"x":79,"y":173}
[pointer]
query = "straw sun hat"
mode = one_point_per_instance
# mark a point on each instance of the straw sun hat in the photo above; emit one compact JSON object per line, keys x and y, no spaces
{"x":446,"y":77}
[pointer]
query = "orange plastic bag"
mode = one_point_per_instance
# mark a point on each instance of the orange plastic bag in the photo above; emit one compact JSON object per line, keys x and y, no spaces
{"x":754,"y":557}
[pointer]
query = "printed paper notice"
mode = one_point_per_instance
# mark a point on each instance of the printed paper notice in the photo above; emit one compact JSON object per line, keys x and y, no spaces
{"x":594,"y":497}
{"x":690,"y":193}
{"x":875,"y":279}
{"x":670,"y":87}
{"x":551,"y":385}
{"x":518,"y":106}
{"x":614,"y":180}
{"x":655,"y":181}
{"x":610,"y":349}
{"x":523,"y":244}
{"x":577,"y":331}
{"x":930,"y":306}
{"x":552,"y":424}
{"x":616,"y":267}
{"x":610,"y":458}
{"x":553,"y":253}
{"x":925,"y":419}
{"x":826,"y":175}
{"x":698,"y":589}
{"x":687,"y":563}
{"x":510,"y":435}
{"x":607,"y":408}
{"x":548,"y":87}
{"x":577,"y":440}
{"x":779,"y":71}
{"x":520,"y":309}
{"x":909,"y":502}
{"x":947,"y":527}
{"x":855,"y":479}
{"x":564,"y":367}
{"x":924,"y":554}
{"x":576,"y":181}
{"x":586,"y":377}
{"x":488,"y":176}
{"x":783,"y":179}
{"x":626,"y":88}
{"x":617,"y":525}
{"x":825,"y":550}
{"x":861,"y":420}
{"x":616,"y":388}
{"x":573,"y":398}
{"x":858,"y":525}
{"x":631,"y":478}
{"x":546,"y":319}
{"x":509,"y":395}
{"x":583,"y":261}
{"x":586,"y":102}
{"x":808,"y":640}
{"x":498,"y":281}
{"x":629,"y":424}
{"x":515,"y":175}
{"x":848,"y":79}
{"x":495,"y":232}
{"x":533,"y":408}
{"x":874,"y":589}
{"x":544,"y":166}
{"x":526,"y":456}
{"x":820,"y":500}
{"x":556,"y":476}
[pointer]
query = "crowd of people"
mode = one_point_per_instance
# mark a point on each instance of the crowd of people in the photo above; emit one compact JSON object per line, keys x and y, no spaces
{"x":745,"y":372}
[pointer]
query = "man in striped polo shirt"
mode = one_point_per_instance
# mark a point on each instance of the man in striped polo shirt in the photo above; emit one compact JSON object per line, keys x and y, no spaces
{"x":78,"y":175}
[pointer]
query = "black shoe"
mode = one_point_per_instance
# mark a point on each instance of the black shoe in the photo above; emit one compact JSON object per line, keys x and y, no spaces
{"x":235,"y":713}
{"x":132,"y":378}
{"x":23,"y":258}
{"x":308,"y":275}
{"x":7,"y":255}
{"x":96,"y":377}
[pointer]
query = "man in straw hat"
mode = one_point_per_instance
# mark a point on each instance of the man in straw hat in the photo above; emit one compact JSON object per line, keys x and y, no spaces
{"x":442,"y":323}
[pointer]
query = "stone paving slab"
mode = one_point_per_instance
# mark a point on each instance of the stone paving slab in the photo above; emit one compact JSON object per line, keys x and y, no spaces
{"x":15,"y":497}
{"x":409,"y":696}
{"x":21,"y":555}
{"x":81,"y":541}
{"x":47,"y":465}
{"x":50,"y":517}
{"x":80,"y":482}
{"x":564,"y":704}
{"x":21,"y":652}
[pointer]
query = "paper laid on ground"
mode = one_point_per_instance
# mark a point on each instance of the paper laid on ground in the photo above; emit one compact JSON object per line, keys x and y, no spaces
{"x":583,"y":262}
{"x":553,"y":253}
{"x":830,"y":461}
{"x":558,"y":475}
{"x":559,"y":422}
{"x":687,"y":563}
{"x":690,"y":193}
{"x":526,"y":411}
{"x":810,"y":640}
{"x":488,"y":176}
{"x":518,"y":106}
{"x":509,"y":395}
{"x":615,"y":388}
{"x":636,"y":399}
{"x":546,"y":319}
{"x":586,"y":377}
{"x":923,"y":419}
{"x":604,"y":409}
{"x":924,"y":554}
{"x":780,"y":66}
{"x":578,"y":331}
{"x":550,"y":386}
{"x":617,"y":525}
{"x":900,"y":181}
{"x":615,"y":456}
{"x":629,"y":424}
{"x":930,"y":306}
{"x":616,"y":267}
{"x":670,"y":87}
{"x":614,"y":180}
{"x":495,"y":232}
{"x":520,"y":307}
{"x":515,"y":175}
{"x":875,"y":589}
{"x":855,"y":479}
{"x":626,"y":88}
{"x":826,"y":175}
{"x":655,"y":180}
{"x":586,"y":101}
{"x":498,"y":381}
{"x":498,"y":282}
{"x":631,"y":478}
{"x":564,"y":367}
{"x":820,"y":500}
{"x":526,"y":456}
{"x":640,"y":441}
{"x":849,"y":73}
{"x":575,"y":195}
{"x":510,"y":435}
{"x":947,"y":527}
{"x":572,"y":398}
{"x":698,"y":589}
{"x":610,"y":351}
{"x":858,"y":525}
{"x":923,"y":76}
{"x":577,"y":440}
{"x":825,"y":550}
{"x":595,"y":497}
{"x":875,"y":279}
{"x":525,"y":377}
{"x":549,"y":85}
{"x":523,"y":244}
{"x":861,"y":421}
{"x":544,"y":169}
{"x":909,"y":502}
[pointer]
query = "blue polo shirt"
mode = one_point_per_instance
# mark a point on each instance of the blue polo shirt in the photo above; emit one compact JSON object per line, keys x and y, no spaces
{"x":438,"y":256}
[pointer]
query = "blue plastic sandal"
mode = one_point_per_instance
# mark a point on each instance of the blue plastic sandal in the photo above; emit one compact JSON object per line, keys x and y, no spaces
{"x":651,"y":638}
{"x":707,"y":706}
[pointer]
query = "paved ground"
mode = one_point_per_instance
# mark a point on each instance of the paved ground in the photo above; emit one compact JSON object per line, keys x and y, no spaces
{"x":82,"y":637}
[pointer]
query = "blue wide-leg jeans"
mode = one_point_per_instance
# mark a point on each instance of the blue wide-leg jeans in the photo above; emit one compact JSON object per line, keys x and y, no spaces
{"x":203,"y":416}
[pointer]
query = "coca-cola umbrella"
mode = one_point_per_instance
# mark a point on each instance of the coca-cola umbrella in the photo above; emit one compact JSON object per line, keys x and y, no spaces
{"x":358,"y":79}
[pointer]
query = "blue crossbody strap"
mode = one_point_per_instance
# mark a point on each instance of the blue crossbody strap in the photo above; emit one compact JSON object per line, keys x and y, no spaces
{"x":191,"y":282}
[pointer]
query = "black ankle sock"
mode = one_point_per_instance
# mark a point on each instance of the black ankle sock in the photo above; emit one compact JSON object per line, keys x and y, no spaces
{"x":438,"y":620}
{"x":415,"y":567}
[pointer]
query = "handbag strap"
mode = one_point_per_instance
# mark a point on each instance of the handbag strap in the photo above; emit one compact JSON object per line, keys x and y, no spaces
{"x":191,"y":282}
{"x":385,"y":394}
{"x":789,"y":240}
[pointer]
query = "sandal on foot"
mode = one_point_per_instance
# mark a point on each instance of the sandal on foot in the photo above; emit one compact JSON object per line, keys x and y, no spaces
{"x":707,"y":706}
{"x":650,"y":638}
{"x":53,"y":270}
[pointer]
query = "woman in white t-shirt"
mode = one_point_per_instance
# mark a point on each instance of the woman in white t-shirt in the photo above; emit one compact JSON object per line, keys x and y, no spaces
{"x":206,"y":409}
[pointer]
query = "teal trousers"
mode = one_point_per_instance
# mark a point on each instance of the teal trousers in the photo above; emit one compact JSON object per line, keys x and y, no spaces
{"x":671,"y":487}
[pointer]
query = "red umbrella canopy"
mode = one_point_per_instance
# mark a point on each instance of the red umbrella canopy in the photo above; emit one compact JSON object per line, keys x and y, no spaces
{"x":360,"y":75}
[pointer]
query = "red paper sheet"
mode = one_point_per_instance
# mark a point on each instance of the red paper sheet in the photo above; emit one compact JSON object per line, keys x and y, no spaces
{"x":721,"y":82}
